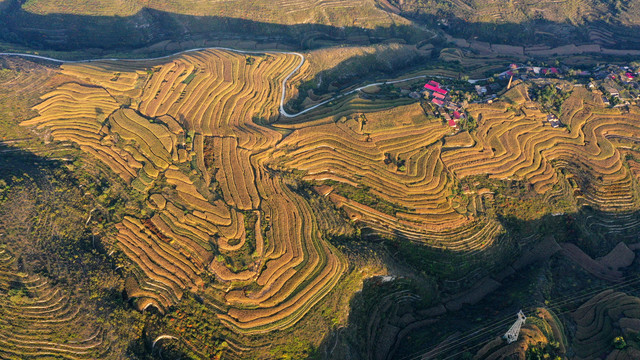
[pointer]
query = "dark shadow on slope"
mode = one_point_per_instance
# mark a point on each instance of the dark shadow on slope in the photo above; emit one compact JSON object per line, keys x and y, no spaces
{"x":605,"y":26}
{"x":399,"y":319}
{"x":68,"y":32}
{"x":362,"y":68}
{"x":98,"y":35}
{"x":51,"y":223}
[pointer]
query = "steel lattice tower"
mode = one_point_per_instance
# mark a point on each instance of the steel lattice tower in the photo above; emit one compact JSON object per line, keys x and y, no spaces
{"x":514,"y":330}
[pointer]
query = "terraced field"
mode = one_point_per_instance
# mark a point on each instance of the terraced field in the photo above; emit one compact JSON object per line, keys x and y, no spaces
{"x":362,"y":151}
{"x":167,"y":26}
{"x":184,"y":133}
{"x":390,"y":169}
{"x":601,"y":319}
{"x":334,"y":12}
{"x":39,"y":320}
{"x":513,"y":141}
{"x":200,"y":138}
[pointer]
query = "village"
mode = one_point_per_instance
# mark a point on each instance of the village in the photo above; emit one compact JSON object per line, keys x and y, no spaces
{"x":618,"y":85}
{"x":445,"y":107}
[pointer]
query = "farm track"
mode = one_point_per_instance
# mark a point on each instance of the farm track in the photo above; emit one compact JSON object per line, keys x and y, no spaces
{"x":283,"y":112}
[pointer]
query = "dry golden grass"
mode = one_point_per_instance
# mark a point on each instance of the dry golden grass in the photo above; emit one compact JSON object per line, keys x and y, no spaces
{"x":327,"y":12}
{"x":461,"y":139}
{"x":515,"y":144}
{"x":353,"y":150}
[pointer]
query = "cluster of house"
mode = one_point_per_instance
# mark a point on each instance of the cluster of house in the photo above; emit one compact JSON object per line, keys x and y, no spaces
{"x":614,"y":79}
{"x":541,"y":71}
{"x":449,"y":110}
{"x":623,"y":73}
{"x":522,"y":72}
{"x":529,"y":72}
{"x":488,"y":92}
{"x":553,"y":120}
{"x":432,"y":88}
{"x":619,"y":82}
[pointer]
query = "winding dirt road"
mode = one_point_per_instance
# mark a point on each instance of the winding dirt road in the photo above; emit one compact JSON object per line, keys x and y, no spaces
{"x":283,"y":112}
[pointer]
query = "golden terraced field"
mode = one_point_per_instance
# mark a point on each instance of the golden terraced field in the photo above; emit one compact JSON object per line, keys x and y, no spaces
{"x":187,"y":123}
{"x":513,"y":142}
{"x":199,"y":136}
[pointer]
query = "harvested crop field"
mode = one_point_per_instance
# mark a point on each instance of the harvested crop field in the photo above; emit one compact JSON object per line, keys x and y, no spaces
{"x":228,"y":184}
{"x":150,"y":125}
{"x":514,"y":142}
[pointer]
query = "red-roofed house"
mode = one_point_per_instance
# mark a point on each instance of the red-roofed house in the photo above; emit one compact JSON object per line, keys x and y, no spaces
{"x":438,"y":95}
{"x":513,"y":66}
{"x":430,"y":87}
{"x":437,"y":102}
{"x":433,"y":83}
{"x":457,"y":115}
{"x":441,"y":91}
{"x":553,"y":70}
{"x":435,"y":89}
{"x":452,"y":123}
{"x":629,"y":76}
{"x":544,"y":71}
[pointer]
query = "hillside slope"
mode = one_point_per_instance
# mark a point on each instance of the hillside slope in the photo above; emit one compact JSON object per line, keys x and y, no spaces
{"x":333,"y":13}
{"x":119,"y":24}
{"x":520,"y":22}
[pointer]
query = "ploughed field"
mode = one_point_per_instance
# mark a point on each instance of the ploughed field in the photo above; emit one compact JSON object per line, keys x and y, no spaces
{"x":199,"y":136}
